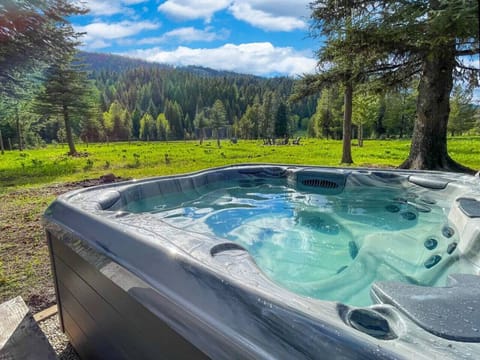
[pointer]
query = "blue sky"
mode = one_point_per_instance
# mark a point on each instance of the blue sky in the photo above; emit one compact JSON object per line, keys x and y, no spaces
{"x":261,"y":37}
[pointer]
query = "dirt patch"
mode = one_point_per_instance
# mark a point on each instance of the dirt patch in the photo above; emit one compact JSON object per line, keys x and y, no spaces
{"x":24,"y":260}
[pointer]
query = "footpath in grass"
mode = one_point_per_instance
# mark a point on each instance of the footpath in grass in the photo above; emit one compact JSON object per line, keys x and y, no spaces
{"x":31,"y":179}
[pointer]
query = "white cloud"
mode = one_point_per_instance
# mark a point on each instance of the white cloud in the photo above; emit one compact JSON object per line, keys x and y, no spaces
{"x":133,"y":2}
{"x":103,"y":30}
{"x":186,"y":35}
{"x":98,"y":44}
{"x":99,"y":7}
{"x":270,"y":15}
{"x":264,"y":20}
{"x":192,"y":9}
{"x":253,"y":58}
{"x":96,"y":33}
{"x":112,"y":7}
{"x":298,"y":8}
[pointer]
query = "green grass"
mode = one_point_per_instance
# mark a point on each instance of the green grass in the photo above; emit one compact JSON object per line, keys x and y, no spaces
{"x":143,"y":159}
{"x":24,"y":264}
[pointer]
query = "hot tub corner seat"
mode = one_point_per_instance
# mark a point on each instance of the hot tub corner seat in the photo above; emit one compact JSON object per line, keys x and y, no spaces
{"x":451,"y":312}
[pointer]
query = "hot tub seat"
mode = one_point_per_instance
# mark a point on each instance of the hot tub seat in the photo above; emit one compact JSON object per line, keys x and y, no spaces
{"x":470,"y":207}
{"x":451,"y":312}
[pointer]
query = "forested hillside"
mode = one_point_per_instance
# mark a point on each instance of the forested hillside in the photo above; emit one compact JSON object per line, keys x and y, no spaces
{"x":133,"y":99}
{"x":185,"y":95}
{"x":130,"y":99}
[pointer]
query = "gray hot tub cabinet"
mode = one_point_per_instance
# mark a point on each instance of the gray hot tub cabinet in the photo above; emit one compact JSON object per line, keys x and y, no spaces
{"x":127,"y":289}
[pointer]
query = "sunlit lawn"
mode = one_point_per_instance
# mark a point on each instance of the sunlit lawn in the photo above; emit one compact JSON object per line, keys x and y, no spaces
{"x":142,"y":159}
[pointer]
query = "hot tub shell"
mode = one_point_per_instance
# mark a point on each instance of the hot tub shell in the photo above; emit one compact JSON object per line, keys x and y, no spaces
{"x":127,"y":289}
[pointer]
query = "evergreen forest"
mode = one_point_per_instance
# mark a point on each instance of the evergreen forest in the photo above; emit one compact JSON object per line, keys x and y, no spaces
{"x":129,"y":99}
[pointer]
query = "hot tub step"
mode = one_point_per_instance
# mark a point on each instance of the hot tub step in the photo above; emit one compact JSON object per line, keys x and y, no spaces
{"x":20,"y":335}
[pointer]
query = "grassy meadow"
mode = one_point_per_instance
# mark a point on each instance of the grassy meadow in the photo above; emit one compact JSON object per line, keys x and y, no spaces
{"x":142,"y":159}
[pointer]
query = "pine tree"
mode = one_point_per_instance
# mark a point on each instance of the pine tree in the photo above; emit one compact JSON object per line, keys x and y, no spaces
{"x":246,"y":124}
{"x":281,"y":121}
{"x":174,"y":114}
{"x":462,"y":111}
{"x":115,"y":122}
{"x":163,"y":128}
{"x":399,"y":113}
{"x":337,"y":64}
{"x":148,"y":128}
{"x":218,"y":118}
{"x":126,"y":131}
{"x":326,"y":121}
{"x":68,"y":93}
{"x":267,"y":121}
{"x":365,"y":111}
{"x":91,"y":128}
{"x":136,"y":116}
{"x":33,"y":33}
{"x":391,"y":42}
{"x":202,"y":121}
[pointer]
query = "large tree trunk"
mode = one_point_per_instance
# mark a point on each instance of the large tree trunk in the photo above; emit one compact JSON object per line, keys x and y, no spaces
{"x":428,"y":150}
{"x":68,"y":131}
{"x":347,"y":125}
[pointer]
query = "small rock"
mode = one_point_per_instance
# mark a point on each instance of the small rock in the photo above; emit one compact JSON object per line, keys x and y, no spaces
{"x":108,"y":178}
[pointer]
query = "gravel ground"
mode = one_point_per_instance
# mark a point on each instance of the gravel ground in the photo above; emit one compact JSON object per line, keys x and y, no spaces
{"x":58,"y":340}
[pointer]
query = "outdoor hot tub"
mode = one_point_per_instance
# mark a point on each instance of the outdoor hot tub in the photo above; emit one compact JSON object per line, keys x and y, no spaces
{"x":271,"y":262}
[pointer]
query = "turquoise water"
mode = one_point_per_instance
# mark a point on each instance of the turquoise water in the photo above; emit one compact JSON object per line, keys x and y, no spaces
{"x":327,"y":247}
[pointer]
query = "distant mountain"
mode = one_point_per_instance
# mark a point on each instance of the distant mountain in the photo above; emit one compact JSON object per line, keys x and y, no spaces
{"x":204,"y":71}
{"x":116,"y":63}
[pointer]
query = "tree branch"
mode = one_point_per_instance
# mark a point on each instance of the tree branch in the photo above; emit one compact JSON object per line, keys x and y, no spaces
{"x":467,"y":52}
{"x":467,"y":68}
